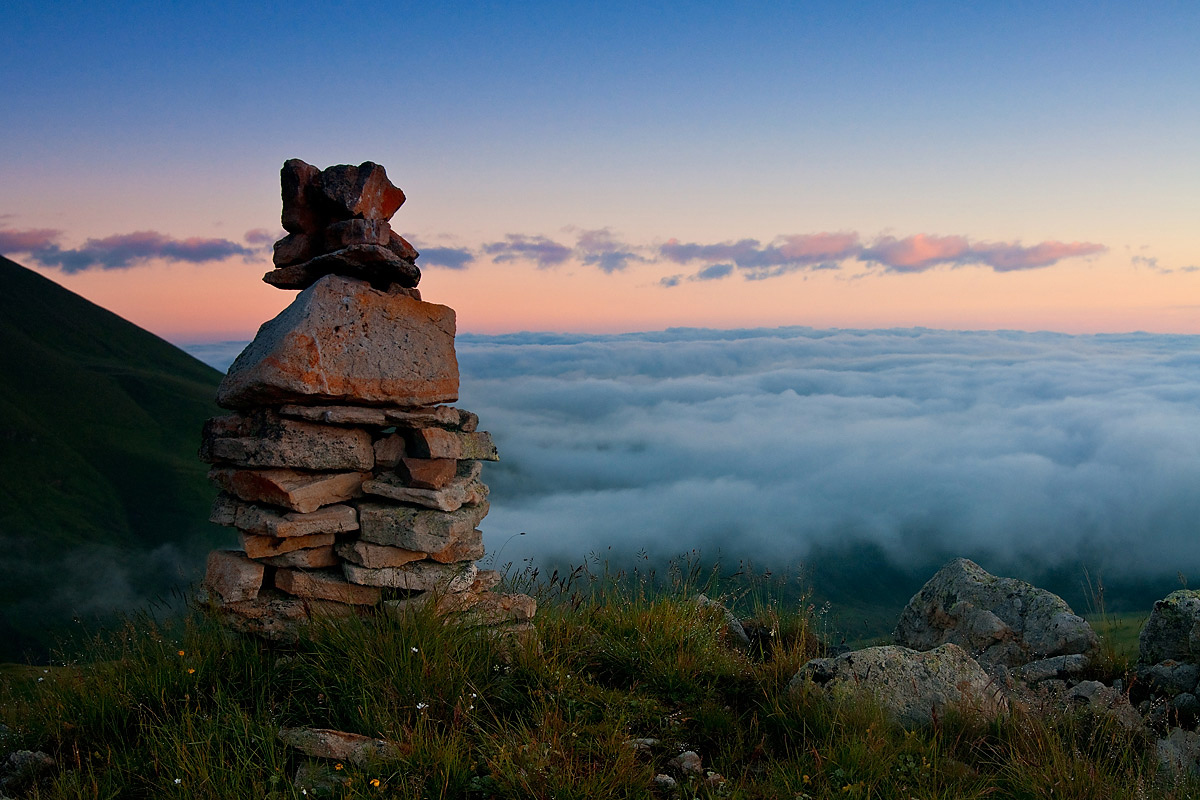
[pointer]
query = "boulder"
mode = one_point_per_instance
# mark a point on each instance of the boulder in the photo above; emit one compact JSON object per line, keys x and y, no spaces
{"x":1173,"y":630}
{"x":341,"y":341}
{"x":735,"y":633}
{"x":914,"y":687}
{"x":1169,"y":677}
{"x":1001,"y":621}
{"x":295,"y":248}
{"x":1179,"y":752}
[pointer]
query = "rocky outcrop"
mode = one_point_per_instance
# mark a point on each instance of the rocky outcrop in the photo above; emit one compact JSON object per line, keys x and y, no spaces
{"x":352,"y":487}
{"x":999,"y":621}
{"x":914,"y":687}
{"x":1173,"y":630}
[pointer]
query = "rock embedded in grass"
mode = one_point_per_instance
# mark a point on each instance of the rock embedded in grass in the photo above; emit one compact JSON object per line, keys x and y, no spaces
{"x":914,"y":687}
{"x":1002,"y":621}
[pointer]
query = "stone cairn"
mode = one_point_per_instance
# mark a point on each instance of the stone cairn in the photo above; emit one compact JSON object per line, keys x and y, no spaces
{"x":352,"y":486}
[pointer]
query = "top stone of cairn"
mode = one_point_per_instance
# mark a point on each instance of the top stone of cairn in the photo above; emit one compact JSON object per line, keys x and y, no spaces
{"x":312,"y":198}
{"x":337,"y":223}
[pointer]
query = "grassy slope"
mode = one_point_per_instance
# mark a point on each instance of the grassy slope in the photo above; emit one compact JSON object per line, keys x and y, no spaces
{"x":189,"y":711}
{"x":99,"y":424}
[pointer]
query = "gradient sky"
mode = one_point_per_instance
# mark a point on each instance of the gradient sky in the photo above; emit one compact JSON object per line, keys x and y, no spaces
{"x":622,"y":167}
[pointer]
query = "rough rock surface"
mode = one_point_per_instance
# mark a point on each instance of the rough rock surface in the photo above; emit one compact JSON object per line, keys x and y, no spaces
{"x":423,"y":530}
{"x":914,"y":687}
{"x":341,"y":341}
{"x":264,"y":439}
{"x":419,"y":576}
{"x":1173,"y":630}
{"x":262,"y":521}
{"x":375,"y":264}
{"x":304,"y":492}
{"x":338,"y":745}
{"x":325,"y":585}
{"x":1001,"y":621}
{"x":233,"y":576}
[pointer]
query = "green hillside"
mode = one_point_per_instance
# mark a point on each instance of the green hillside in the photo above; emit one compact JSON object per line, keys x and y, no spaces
{"x":103,"y":502}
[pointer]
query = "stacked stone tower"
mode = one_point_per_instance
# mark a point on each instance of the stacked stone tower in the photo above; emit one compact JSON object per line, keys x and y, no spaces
{"x":351,"y":483}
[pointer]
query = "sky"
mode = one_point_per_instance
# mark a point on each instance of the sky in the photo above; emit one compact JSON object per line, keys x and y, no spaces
{"x":621,"y":167}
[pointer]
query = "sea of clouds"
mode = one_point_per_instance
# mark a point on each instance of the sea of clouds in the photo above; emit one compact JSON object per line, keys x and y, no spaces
{"x":1021,"y":450}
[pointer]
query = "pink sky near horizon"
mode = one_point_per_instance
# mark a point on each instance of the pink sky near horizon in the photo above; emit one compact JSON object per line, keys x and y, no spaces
{"x":189,"y":303}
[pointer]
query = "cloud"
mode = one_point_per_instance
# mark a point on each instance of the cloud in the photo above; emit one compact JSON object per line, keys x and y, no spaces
{"x":1151,"y":263}
{"x":544,"y":252}
{"x":785,"y":254}
{"x":120,"y":251}
{"x":922,"y":252}
{"x":262,"y":237}
{"x":713,"y":273}
{"x":599,"y":248}
{"x":1015,"y":448}
{"x":27,"y":241}
{"x":449,"y":257}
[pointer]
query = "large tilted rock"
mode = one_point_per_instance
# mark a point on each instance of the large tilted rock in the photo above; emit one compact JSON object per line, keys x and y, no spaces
{"x":914,"y":687}
{"x":264,"y":439}
{"x":997,"y":620}
{"x":341,"y":341}
{"x":1173,"y":630}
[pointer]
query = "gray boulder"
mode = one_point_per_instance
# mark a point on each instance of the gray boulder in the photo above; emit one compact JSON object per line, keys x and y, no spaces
{"x":1173,"y":630}
{"x":914,"y":687}
{"x":1000,"y":621}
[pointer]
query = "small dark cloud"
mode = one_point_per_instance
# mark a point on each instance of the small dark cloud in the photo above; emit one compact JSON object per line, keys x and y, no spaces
{"x":1151,"y":263}
{"x":599,"y":248}
{"x":670,"y":280}
{"x":449,"y":257}
{"x":27,"y":241}
{"x":542,"y":251}
{"x":262,"y":236}
{"x":713,"y":273}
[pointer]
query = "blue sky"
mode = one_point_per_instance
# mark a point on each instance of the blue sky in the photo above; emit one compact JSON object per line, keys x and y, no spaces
{"x":1015,"y":123}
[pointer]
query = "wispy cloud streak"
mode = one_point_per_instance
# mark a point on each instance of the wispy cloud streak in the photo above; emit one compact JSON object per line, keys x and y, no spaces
{"x":120,"y":251}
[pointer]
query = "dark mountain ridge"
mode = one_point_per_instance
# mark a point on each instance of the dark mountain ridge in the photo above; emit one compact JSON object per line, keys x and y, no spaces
{"x":102,"y":499}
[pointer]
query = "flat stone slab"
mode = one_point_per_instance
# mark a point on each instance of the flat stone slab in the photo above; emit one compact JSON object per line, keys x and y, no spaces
{"x":420,"y":529}
{"x":299,"y":491}
{"x":419,"y":576}
{"x":233,"y":576}
{"x":376,"y":264}
{"x":308,"y":558}
{"x":325,"y":585}
{"x":343,"y":342}
{"x":462,"y":491}
{"x":265,"y":439}
{"x":268,"y":547}
{"x":439,"y":443}
{"x":437,"y":416}
{"x":366,"y":554}
{"x":427,"y":473}
{"x":277,"y":616}
{"x":338,"y":745}
{"x":261,"y":521}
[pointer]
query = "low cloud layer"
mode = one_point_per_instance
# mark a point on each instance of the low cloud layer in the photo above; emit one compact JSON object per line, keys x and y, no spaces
{"x":1024,"y":450}
{"x":119,"y":251}
{"x":1019,"y":448}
